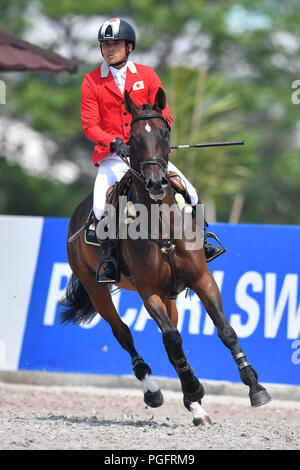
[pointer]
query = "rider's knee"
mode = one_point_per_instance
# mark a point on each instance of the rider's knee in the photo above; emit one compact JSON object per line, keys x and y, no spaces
{"x":98,"y":211}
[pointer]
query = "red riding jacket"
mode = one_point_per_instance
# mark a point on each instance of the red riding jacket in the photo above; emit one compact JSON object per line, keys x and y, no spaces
{"x":103,"y":112}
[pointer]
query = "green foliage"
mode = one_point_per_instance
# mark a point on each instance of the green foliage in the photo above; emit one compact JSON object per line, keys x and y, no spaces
{"x":57,"y":10}
{"x":12,"y":16}
{"x":22,"y":194}
{"x":52,"y":102}
{"x":204,"y":112}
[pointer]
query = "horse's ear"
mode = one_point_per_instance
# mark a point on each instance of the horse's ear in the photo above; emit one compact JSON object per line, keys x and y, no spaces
{"x":160,"y":100}
{"x":130,"y":106}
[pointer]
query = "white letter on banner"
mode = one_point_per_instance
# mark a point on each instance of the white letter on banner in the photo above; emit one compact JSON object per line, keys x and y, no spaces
{"x":247,"y":303}
{"x":274,"y":314}
{"x":209,"y":327}
{"x":55,"y":292}
{"x":193,"y":306}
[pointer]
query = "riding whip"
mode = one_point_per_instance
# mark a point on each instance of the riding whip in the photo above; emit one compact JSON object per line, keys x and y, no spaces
{"x":208,"y":144}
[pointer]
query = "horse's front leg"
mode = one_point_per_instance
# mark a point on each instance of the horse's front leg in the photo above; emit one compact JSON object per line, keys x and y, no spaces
{"x":200,"y":416}
{"x":152,"y":393}
{"x":208,"y":292}
{"x":192,"y":388}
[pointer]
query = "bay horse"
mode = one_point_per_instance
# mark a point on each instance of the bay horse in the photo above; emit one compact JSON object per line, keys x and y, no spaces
{"x":152,"y":264}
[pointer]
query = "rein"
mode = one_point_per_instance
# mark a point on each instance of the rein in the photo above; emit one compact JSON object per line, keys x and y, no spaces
{"x":134,"y":172}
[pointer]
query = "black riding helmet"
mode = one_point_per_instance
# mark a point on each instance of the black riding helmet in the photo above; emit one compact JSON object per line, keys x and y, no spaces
{"x":114,"y":29}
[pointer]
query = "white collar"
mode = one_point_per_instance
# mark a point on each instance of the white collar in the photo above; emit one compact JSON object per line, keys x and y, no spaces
{"x":105,"y":68}
{"x":119,"y":72}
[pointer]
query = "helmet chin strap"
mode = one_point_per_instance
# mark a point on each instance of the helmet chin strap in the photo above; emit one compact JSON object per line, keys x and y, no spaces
{"x":119,"y":63}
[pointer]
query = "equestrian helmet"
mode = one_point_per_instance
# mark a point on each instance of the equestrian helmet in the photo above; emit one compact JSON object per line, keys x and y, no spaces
{"x":114,"y":29}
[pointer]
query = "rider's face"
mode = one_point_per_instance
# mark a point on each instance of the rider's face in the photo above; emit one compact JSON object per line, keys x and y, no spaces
{"x":115,"y":51}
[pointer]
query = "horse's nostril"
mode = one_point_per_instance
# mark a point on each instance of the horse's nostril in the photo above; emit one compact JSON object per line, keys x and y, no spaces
{"x":155,"y":186}
{"x":149,"y":184}
{"x":164,"y":181}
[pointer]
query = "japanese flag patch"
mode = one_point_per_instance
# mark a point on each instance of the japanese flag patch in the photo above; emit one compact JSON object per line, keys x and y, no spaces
{"x":138,"y":85}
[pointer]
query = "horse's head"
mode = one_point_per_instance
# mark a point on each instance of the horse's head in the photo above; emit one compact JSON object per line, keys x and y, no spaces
{"x":150,"y":143}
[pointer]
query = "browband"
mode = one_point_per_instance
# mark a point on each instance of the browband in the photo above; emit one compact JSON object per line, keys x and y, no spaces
{"x":150,"y":116}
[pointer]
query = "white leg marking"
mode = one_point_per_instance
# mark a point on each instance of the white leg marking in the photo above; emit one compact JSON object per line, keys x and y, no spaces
{"x":197,"y":411}
{"x":149,"y":384}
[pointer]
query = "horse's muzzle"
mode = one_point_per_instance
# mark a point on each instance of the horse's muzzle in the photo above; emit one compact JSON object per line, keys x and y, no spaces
{"x":154,"y":171}
{"x":157,"y":189}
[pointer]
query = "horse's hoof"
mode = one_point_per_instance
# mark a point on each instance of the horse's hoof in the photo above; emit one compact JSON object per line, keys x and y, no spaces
{"x":204,"y":421}
{"x":153,"y":399}
{"x":259,"y":398}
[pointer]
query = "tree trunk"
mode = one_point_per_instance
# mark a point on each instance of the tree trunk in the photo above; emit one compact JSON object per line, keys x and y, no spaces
{"x":236,"y":209}
{"x":210,"y":210}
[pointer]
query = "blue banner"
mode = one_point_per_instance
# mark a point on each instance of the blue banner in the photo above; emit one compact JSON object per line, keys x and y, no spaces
{"x":259,"y":281}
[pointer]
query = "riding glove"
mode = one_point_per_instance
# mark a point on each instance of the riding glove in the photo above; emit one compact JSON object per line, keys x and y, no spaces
{"x":120,"y":147}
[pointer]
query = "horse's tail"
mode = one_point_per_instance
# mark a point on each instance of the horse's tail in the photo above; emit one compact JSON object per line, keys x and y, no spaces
{"x":78,"y":306}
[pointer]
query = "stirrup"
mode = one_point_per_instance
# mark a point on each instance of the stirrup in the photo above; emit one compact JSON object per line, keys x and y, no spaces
{"x":220,"y":251}
{"x":107,"y":259}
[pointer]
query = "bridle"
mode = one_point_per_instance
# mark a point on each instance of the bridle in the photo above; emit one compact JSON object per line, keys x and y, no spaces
{"x":154,"y":159}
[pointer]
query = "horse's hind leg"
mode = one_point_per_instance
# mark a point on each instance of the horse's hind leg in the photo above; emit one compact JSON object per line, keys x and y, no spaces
{"x":165,"y":315}
{"x":101,"y":300}
{"x":208,"y":292}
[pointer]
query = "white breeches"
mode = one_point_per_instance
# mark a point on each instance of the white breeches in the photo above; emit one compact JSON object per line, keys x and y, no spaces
{"x":112,"y":169}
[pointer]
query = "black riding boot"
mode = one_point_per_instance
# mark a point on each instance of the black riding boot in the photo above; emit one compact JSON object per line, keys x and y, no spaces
{"x":111,"y":271}
{"x":211,"y":251}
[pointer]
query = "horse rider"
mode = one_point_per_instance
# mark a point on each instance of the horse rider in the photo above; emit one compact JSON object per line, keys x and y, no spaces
{"x":106,"y":122}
